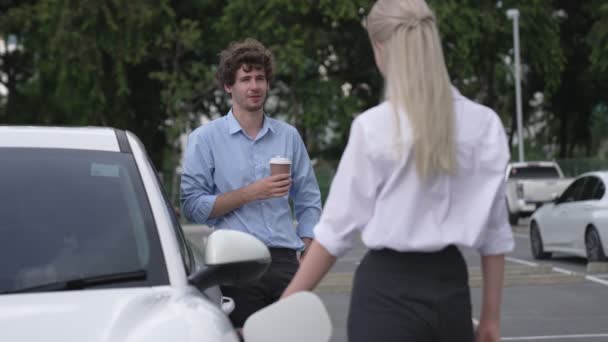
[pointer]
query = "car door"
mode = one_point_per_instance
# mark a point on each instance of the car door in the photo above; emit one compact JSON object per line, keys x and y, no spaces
{"x":590,"y":207}
{"x":579,"y":215}
{"x":555,"y":230}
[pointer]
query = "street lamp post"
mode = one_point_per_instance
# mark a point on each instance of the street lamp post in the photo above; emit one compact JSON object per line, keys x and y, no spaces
{"x":514,"y":15}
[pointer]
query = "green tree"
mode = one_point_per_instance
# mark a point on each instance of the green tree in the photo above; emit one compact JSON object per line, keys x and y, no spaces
{"x":598,"y":37}
{"x":106,"y":62}
{"x":582,"y":86}
{"x":320,"y":46}
{"x":478,"y":44}
{"x":15,"y":62}
{"x":598,"y":40}
{"x":148,"y":67}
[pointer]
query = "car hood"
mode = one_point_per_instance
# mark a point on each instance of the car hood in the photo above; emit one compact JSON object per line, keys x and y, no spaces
{"x":129,"y":315}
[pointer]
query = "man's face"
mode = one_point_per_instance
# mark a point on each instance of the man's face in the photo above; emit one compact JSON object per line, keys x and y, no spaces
{"x":249,"y":89}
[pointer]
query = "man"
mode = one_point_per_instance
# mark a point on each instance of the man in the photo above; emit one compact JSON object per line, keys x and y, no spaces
{"x":227,"y":183}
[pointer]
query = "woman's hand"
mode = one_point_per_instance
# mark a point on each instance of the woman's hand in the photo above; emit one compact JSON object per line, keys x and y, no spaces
{"x":488,"y":331}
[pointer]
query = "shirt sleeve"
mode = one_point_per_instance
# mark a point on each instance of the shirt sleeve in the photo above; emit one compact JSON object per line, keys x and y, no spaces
{"x":498,"y":237}
{"x":352,"y":196}
{"x":305,"y":191}
{"x":197,"y":186}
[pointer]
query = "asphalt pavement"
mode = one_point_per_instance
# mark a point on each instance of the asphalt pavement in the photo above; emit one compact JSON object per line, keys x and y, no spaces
{"x":561,"y":299}
{"x":555,"y":300}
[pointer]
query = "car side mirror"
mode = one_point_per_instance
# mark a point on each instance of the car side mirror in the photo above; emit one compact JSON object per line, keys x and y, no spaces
{"x":232,"y":258}
{"x":554,"y":197}
{"x":301,"y":317}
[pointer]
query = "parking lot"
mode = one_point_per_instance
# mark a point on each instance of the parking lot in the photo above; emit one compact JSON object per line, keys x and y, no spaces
{"x":560,"y":299}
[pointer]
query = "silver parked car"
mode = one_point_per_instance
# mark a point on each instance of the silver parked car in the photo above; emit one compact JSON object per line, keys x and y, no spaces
{"x":91,"y":250}
{"x":576,"y":222}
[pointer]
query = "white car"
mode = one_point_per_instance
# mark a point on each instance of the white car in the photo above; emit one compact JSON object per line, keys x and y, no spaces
{"x":91,"y":250}
{"x":576,"y":222}
{"x":530,"y":185}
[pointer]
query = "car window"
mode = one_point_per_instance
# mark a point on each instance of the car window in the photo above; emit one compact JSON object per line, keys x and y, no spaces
{"x":600,"y":189}
{"x":186,"y":253}
{"x":187,"y":257}
{"x":533,"y":172}
{"x":70,"y":214}
{"x":573,"y":192}
{"x":589,"y":188}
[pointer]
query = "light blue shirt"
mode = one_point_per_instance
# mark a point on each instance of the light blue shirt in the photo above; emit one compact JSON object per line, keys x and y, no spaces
{"x":220,"y":158}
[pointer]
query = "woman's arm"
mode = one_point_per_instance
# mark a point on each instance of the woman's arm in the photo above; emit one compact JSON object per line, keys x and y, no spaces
{"x":312,"y":269}
{"x":492,"y":267}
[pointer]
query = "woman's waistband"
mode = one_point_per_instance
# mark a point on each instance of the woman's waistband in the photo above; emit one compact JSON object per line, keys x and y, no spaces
{"x":445,"y":262}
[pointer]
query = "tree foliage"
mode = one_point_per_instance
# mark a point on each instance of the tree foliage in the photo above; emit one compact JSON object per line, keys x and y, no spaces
{"x":598,"y":37}
{"x":320,"y":47}
{"x":478,"y":39}
{"x":148,"y":66}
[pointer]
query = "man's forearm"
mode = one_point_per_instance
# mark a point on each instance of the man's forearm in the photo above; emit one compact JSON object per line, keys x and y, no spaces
{"x":269,"y":187}
{"x":230,"y":201}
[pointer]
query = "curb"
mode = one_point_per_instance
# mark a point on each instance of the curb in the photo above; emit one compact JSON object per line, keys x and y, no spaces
{"x":597,"y":267}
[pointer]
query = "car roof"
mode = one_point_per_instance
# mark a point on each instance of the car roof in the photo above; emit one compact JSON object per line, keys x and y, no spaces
{"x":601,"y":174}
{"x":82,"y":138}
{"x":532,"y":163}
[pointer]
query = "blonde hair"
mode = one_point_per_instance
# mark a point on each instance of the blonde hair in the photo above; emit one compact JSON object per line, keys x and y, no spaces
{"x":416,"y":79}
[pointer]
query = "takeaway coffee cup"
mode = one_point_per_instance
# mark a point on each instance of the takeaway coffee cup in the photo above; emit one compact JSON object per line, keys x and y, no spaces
{"x":279,"y":165}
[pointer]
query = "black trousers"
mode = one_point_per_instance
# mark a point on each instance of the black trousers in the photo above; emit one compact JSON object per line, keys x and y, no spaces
{"x":249,"y":298}
{"x":422,"y":297}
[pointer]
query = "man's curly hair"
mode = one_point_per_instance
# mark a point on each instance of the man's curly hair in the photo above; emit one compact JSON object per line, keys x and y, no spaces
{"x":249,"y":53}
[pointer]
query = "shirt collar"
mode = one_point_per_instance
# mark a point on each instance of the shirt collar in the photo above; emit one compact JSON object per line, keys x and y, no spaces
{"x":456,"y":93}
{"x":234,"y":126}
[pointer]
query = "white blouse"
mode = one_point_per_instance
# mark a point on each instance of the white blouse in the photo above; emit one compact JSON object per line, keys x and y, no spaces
{"x":376,"y":189}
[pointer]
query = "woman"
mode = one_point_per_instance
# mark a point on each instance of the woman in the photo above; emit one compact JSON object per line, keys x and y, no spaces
{"x":422,"y":174}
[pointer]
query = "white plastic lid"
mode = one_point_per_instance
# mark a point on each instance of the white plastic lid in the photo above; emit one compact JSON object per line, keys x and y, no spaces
{"x":280,"y":160}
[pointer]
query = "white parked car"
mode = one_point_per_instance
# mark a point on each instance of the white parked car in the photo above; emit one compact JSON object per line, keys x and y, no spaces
{"x":532,"y":184}
{"x":91,"y":250}
{"x":574,"y":223}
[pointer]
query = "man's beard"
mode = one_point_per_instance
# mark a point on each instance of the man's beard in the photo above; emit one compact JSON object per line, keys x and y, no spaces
{"x":253,"y":108}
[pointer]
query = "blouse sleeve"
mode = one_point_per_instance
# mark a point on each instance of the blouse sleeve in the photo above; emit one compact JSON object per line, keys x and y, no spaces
{"x":498,"y":237}
{"x":352,"y":195}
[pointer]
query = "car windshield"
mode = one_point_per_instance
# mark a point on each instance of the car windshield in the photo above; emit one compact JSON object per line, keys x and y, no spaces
{"x":73,"y":214}
{"x":534,"y":172}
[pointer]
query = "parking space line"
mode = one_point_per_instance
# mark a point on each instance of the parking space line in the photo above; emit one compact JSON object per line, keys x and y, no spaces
{"x":587,"y":277}
{"x":594,"y":279}
{"x":552,"y":337}
{"x":521,"y":235}
{"x":520,"y":261}
{"x":597,"y":280}
{"x":563,"y":271}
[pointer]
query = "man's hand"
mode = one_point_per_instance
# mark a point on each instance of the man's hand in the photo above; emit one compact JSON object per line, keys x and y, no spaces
{"x":269,"y":187}
{"x":273,"y":186}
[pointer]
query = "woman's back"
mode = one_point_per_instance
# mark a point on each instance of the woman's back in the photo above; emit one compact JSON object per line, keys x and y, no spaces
{"x":396,"y":208}
{"x":417,"y":181}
